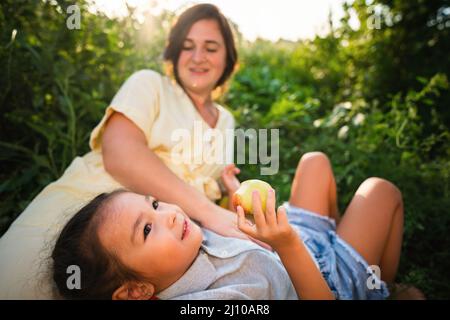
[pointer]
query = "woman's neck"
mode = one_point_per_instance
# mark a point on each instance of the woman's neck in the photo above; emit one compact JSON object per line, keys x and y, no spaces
{"x":201,"y":101}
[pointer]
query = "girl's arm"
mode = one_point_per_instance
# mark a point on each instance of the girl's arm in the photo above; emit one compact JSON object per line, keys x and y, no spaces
{"x":128,"y":159}
{"x":306,"y":277}
{"x":274,"y":229}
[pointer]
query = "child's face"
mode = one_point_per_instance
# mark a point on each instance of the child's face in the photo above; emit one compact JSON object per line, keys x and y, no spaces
{"x":158,"y":243}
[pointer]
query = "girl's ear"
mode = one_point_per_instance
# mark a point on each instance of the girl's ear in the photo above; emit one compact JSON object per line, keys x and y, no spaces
{"x":134,"y":291}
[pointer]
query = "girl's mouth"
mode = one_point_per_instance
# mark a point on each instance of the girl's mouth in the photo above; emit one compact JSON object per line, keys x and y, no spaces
{"x":186,"y":229}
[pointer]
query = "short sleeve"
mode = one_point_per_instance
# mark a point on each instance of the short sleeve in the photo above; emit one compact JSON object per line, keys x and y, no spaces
{"x":138,"y":99}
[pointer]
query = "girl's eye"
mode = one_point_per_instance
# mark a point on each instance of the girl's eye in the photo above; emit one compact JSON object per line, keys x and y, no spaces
{"x":211,"y":50}
{"x":147,"y":230}
{"x":187,"y":48}
{"x":155,"y":204}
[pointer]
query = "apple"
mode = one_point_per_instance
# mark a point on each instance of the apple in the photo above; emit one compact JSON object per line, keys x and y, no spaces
{"x":243,"y":196}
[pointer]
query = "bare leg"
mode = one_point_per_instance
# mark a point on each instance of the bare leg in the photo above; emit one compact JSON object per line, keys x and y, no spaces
{"x":373,"y":225}
{"x":314,"y":186}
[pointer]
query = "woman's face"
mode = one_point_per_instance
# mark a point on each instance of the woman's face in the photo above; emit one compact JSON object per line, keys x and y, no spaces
{"x":203,"y":57}
{"x":156,"y":239}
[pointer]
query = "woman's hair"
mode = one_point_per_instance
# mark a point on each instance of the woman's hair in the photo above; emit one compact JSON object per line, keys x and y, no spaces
{"x":181,"y":28}
{"x":101,"y":271}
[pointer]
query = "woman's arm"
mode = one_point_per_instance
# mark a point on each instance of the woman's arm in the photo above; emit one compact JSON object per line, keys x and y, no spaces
{"x":128,"y":159}
{"x":231,"y":183}
{"x":274,"y":229}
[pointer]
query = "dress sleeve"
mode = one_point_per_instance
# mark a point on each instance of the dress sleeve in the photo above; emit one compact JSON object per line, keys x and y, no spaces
{"x":137,"y":99}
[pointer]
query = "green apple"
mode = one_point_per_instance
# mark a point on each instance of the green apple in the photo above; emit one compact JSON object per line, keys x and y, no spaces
{"x":243,"y":196}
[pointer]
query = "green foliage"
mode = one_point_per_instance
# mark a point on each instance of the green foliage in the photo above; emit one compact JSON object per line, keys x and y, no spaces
{"x":56,"y":85}
{"x":375,"y":100}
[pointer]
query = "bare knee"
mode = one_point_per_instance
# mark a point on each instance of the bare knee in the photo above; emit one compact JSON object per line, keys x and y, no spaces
{"x":387,"y":188}
{"x":315,"y":160}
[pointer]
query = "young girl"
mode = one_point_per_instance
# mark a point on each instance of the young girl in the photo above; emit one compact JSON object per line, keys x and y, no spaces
{"x":130,"y":246}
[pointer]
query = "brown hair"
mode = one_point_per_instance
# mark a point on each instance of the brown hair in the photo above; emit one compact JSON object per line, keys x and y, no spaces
{"x":181,"y":28}
{"x":101,"y":272}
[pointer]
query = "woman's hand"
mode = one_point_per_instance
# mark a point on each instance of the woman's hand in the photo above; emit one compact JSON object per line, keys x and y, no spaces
{"x":224,"y":222}
{"x":230,"y":182}
{"x":270,"y":227}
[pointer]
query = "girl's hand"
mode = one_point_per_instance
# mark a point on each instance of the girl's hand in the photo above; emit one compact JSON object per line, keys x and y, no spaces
{"x":270,"y":227}
{"x":230,"y":182}
{"x":224,"y":222}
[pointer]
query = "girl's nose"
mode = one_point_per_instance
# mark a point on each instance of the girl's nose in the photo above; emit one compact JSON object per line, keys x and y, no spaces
{"x":170,"y":217}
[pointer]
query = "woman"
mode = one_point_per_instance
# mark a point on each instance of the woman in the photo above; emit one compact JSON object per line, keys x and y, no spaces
{"x":202,"y":53}
{"x":133,"y":146}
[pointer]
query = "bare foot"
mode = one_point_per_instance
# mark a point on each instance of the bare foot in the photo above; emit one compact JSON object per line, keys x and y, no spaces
{"x":400,"y":291}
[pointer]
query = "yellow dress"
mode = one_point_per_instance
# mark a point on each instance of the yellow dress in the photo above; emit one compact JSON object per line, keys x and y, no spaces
{"x":173,"y":128}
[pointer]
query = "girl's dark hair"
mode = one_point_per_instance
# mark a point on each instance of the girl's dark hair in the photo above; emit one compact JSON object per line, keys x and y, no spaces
{"x":181,"y":28}
{"x":78,"y":244}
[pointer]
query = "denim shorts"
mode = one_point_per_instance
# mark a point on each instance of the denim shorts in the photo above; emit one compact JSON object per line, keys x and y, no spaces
{"x":347,"y":273}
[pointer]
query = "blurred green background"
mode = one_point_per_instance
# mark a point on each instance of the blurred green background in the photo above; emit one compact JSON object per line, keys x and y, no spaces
{"x":376,"y":100}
